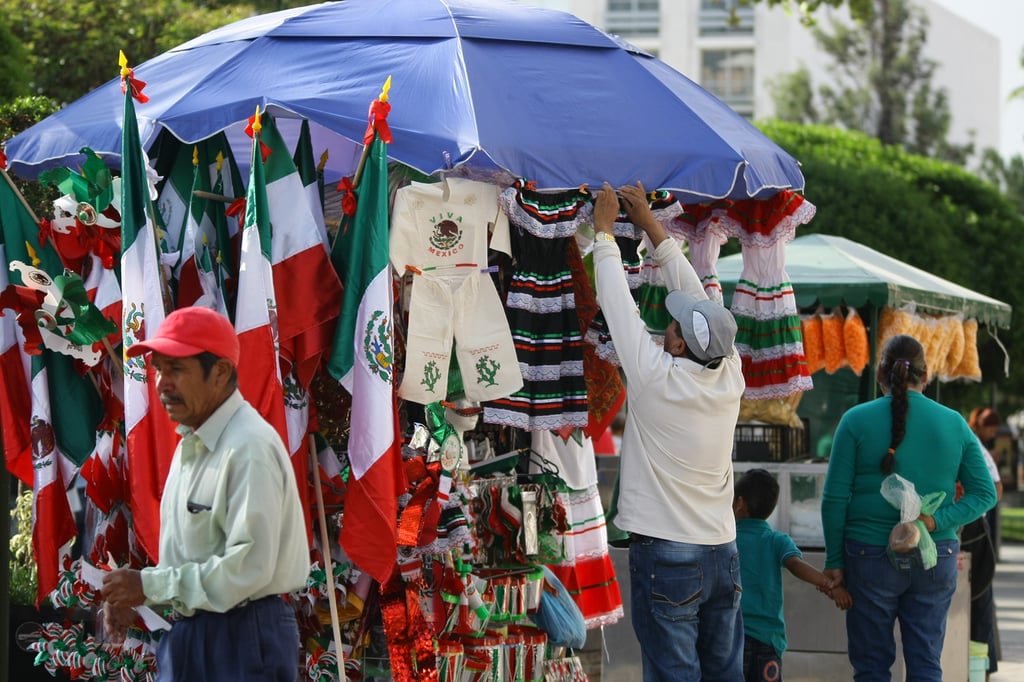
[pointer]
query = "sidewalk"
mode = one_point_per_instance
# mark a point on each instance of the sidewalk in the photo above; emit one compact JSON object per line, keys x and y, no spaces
{"x":1009,"y":594}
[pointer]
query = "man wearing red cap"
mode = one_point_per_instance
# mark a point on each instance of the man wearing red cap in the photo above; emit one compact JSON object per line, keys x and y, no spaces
{"x":232,"y":535}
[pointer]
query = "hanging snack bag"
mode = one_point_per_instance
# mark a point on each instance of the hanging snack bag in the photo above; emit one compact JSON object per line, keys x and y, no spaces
{"x":969,"y":367}
{"x":814,"y":345}
{"x":832,"y":336}
{"x":855,"y":342}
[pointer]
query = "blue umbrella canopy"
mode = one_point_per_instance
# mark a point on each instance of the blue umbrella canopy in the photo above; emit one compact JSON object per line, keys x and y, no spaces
{"x":488,"y":84}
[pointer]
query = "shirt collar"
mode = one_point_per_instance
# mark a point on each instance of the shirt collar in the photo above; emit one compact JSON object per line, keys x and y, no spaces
{"x":753,"y":523}
{"x":210,"y":430}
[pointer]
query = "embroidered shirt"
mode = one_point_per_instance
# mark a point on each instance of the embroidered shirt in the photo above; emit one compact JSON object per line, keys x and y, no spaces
{"x":431,"y":230}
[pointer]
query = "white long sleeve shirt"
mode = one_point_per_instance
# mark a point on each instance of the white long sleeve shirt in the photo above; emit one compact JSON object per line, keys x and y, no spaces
{"x":676,"y":479}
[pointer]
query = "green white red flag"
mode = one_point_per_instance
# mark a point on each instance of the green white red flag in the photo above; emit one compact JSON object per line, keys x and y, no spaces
{"x":15,"y":399}
{"x":150,"y":434}
{"x":256,"y":313}
{"x":362,"y":360}
{"x":306,"y":286}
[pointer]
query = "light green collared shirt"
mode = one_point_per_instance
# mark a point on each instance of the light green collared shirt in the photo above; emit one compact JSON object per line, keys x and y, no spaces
{"x":231,"y":524}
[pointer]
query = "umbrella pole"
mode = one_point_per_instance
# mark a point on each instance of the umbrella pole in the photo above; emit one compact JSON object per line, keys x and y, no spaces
{"x":332,"y":599}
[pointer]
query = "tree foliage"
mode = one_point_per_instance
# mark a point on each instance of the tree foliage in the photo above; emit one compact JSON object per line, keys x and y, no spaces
{"x":17,"y":115}
{"x":881,"y":82}
{"x":928,"y":213}
{"x":72,"y":47}
{"x":13,"y":74}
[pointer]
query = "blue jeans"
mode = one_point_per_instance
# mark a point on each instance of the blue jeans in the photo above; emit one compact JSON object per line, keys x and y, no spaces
{"x":760,"y":662}
{"x":918,"y":598}
{"x":686,"y":610}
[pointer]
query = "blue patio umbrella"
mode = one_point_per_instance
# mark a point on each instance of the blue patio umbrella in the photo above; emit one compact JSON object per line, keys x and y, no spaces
{"x":488,"y":84}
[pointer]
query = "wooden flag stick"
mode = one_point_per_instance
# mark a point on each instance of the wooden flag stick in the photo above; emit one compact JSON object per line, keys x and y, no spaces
{"x":328,"y":563}
{"x":203,"y":194}
{"x":114,"y":358}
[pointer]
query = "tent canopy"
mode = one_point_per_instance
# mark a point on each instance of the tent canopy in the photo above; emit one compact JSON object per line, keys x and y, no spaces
{"x":830,"y":270}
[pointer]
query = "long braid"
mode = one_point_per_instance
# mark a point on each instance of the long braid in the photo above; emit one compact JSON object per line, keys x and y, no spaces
{"x":902,"y":364}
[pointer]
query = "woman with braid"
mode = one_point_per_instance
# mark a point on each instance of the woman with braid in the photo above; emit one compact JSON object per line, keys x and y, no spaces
{"x":906,"y":433}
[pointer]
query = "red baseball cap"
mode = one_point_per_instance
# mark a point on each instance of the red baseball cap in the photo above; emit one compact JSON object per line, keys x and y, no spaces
{"x":191,"y":331}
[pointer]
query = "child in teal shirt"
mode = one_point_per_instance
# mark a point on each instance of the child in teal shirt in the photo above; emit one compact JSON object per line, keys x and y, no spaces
{"x":763,"y":552}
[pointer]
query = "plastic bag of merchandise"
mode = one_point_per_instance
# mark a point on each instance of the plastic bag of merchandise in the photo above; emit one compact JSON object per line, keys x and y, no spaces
{"x":559,"y":616}
{"x":909,"y":538}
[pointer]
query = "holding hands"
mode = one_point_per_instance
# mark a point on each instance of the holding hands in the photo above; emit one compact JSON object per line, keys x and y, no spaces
{"x":833,"y":587}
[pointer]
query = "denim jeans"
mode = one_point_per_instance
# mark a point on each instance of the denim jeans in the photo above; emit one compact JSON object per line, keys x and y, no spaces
{"x":918,"y":598}
{"x":760,"y":662}
{"x":686,"y":610}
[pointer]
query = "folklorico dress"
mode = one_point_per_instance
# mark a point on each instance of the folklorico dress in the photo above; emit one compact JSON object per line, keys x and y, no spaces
{"x":769,"y":337}
{"x":586,"y":569}
{"x":439,"y":231}
{"x":541,"y":309}
{"x":665,"y":208}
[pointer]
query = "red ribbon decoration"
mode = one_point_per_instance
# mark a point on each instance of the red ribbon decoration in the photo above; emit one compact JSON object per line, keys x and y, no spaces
{"x":236,"y":209}
{"x":378,"y":122}
{"x":136,"y":86}
{"x":264,"y":149}
{"x":3,"y":159}
{"x":418,"y":522}
{"x":348,"y":196}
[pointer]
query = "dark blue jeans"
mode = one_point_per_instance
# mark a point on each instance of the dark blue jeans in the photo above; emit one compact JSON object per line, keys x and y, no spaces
{"x":918,"y":598}
{"x":258,"y":642}
{"x":760,"y":662}
{"x":686,"y":610}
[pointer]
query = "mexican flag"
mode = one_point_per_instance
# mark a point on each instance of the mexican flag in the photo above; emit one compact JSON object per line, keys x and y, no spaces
{"x":256,"y":313}
{"x":311,"y":176}
{"x":53,"y":524}
{"x":190,"y":220}
{"x":15,"y":399}
{"x":149,"y":432}
{"x":362,"y":361}
{"x":306,"y":286}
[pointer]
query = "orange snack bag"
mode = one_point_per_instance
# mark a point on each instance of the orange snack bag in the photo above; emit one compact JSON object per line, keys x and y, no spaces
{"x":956,"y":346}
{"x":814,"y":344}
{"x":855,"y":342}
{"x":832,"y":335}
{"x":969,"y":367}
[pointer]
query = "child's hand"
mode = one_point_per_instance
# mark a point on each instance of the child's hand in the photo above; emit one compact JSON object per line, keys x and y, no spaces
{"x":841,"y":596}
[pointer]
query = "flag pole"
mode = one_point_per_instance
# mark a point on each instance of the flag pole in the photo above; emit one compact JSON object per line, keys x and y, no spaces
{"x":332,"y":599}
{"x":203,"y":194}
{"x":21,"y":197}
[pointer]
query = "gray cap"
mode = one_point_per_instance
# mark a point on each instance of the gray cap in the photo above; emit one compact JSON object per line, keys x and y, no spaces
{"x":709,"y":330}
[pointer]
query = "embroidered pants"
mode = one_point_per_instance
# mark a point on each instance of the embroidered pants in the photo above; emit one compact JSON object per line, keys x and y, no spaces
{"x":468,"y":310}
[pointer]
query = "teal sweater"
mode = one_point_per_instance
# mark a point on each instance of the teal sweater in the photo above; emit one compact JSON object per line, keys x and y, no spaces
{"x":938,"y":450}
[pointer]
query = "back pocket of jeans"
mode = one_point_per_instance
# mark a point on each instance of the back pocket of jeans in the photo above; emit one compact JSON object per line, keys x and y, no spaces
{"x":676,"y":590}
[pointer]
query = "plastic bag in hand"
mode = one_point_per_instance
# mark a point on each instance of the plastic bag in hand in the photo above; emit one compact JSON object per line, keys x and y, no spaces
{"x":911,"y":533}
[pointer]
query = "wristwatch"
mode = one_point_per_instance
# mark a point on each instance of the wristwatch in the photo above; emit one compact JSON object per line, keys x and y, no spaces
{"x":604,"y":237}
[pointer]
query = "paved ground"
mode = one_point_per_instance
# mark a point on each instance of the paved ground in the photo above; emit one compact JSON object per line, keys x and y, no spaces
{"x":1009,"y":589}
{"x":621,"y":651}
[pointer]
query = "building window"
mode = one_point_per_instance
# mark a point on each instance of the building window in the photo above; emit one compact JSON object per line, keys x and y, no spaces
{"x":729,"y":75}
{"x":726,"y":17}
{"x":633,"y":17}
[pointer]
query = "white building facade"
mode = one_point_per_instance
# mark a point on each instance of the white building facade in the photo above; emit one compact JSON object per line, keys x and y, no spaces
{"x":738,"y":62}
